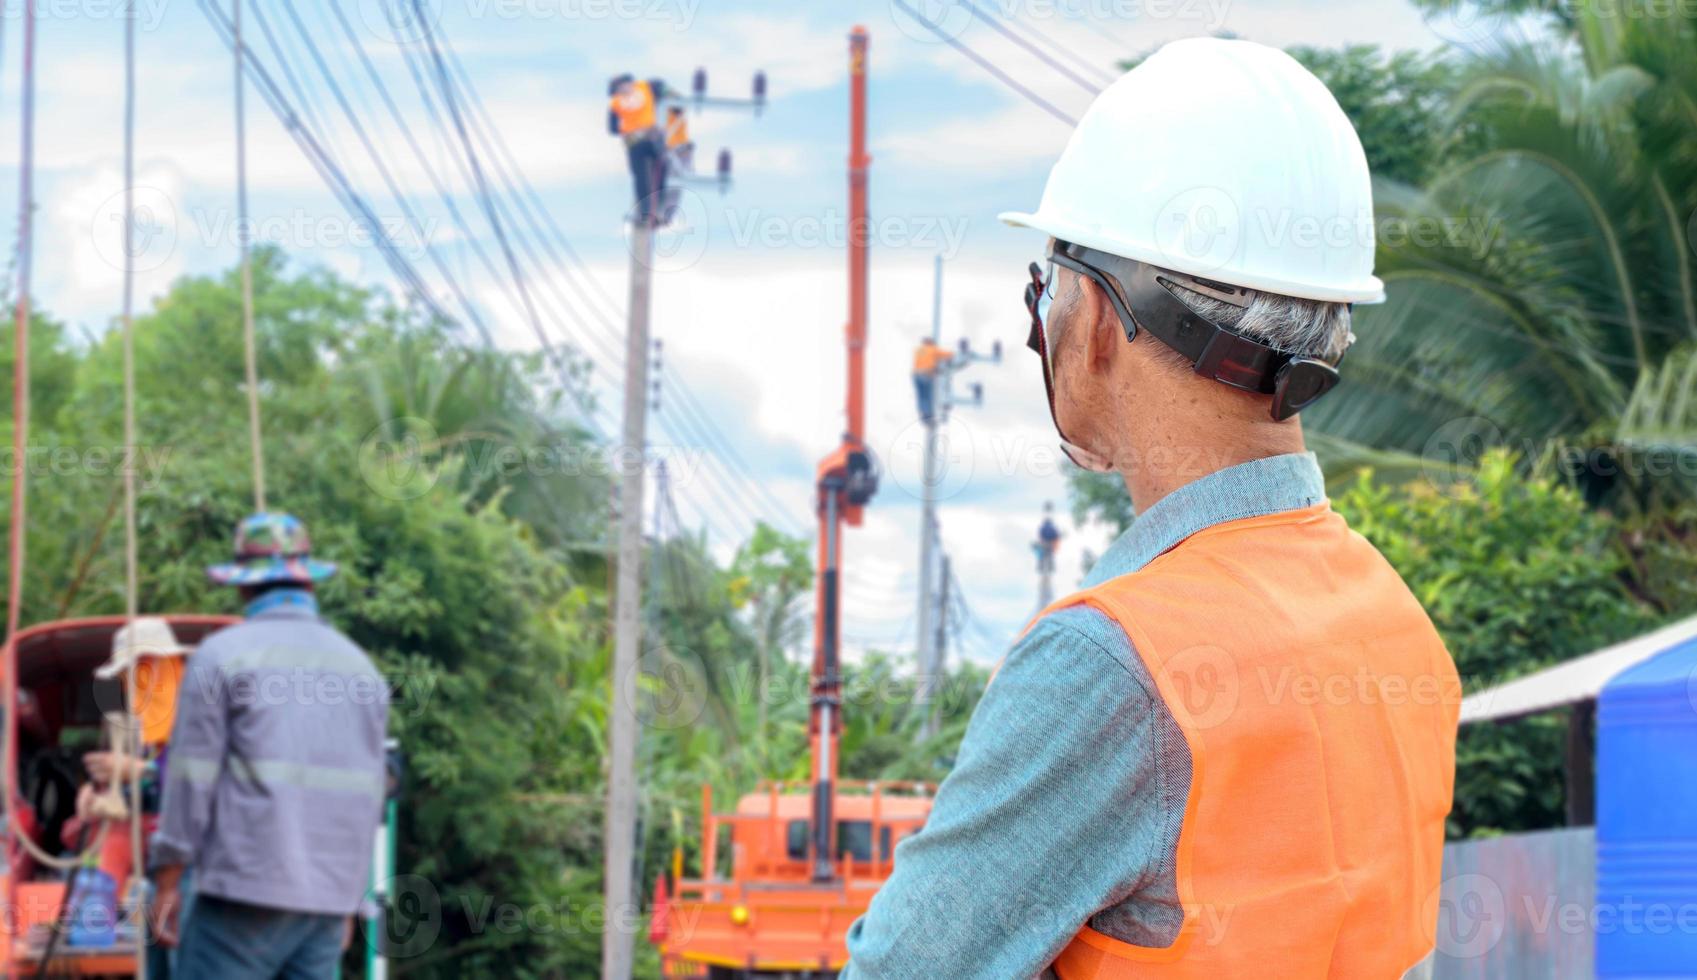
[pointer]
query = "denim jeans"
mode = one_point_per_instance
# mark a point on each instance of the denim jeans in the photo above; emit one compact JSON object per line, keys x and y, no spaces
{"x":225,"y":940}
{"x":925,"y":392}
{"x":648,"y":172}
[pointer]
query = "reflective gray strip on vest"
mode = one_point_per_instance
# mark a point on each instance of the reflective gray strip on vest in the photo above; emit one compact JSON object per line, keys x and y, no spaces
{"x":201,"y":772}
{"x":312,"y":658}
{"x":268,"y":774}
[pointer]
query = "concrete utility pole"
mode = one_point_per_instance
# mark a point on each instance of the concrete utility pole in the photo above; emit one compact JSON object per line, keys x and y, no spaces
{"x":941,"y":647}
{"x":620,"y":832}
{"x":618,"y":882}
{"x":929,"y":655}
{"x":928,"y":504}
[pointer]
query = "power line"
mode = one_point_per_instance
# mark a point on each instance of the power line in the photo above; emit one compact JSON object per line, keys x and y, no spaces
{"x":987,"y":65}
{"x":693,"y":418}
{"x":701,"y":424}
{"x":1002,"y":29}
{"x":1068,"y":53}
{"x":321,"y":161}
{"x":383,"y":171}
{"x":325,"y":161}
{"x":448,"y":99}
{"x":309,"y":105}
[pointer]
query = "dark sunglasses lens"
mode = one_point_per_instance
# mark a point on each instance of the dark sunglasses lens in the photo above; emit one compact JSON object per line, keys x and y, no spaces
{"x":1034,"y":339}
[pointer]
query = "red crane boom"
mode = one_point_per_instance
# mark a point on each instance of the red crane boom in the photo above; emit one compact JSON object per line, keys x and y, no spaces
{"x":848,"y":478}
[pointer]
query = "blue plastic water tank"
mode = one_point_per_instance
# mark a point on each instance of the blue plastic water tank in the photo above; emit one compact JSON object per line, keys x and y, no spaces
{"x":1646,"y":914}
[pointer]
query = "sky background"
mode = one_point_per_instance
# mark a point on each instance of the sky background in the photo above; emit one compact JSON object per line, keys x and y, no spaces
{"x":751,"y":290}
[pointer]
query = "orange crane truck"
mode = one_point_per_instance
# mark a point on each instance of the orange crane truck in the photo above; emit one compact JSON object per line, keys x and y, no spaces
{"x":805,"y":859}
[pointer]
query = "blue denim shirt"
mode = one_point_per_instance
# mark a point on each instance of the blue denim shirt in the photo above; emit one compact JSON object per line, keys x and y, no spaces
{"x":1067,"y":796}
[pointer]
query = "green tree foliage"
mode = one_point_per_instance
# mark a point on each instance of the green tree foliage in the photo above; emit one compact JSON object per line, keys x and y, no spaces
{"x":1557,"y":274}
{"x":1517,"y":574}
{"x":1399,"y":103}
{"x":771,"y":575}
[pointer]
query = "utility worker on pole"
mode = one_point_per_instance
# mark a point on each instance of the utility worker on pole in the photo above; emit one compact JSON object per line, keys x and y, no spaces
{"x":1232,"y":753}
{"x":927,"y":360}
{"x":631,"y":117}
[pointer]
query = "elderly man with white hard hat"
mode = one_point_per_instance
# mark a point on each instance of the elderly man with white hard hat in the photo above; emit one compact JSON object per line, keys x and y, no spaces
{"x":1231,"y":754}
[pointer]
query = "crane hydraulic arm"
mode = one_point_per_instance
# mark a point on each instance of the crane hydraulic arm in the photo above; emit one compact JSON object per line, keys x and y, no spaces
{"x":848,"y":478}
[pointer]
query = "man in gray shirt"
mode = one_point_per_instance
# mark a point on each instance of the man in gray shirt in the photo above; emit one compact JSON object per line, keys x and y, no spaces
{"x":274,"y":777}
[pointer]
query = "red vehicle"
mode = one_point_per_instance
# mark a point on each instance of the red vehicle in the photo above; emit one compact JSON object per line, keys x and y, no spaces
{"x":57,"y":715}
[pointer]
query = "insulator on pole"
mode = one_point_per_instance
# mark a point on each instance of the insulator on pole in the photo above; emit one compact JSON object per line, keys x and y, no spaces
{"x":724,"y":170}
{"x":759,"y":91}
{"x":965,"y":346}
{"x":698,"y":85}
{"x":996,"y":351}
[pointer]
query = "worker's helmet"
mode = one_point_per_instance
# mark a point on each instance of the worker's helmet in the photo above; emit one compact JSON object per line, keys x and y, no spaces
{"x":618,"y":80}
{"x":1221,"y":159}
{"x":270,"y":548}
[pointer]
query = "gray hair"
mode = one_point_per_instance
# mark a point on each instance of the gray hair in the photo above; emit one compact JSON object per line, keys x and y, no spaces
{"x":1303,"y":327}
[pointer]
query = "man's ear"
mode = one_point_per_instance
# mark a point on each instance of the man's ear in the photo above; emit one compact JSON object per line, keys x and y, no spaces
{"x":1103,"y":336}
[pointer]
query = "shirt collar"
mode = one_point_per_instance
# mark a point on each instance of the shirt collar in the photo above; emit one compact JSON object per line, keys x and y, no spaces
{"x":284,"y":602}
{"x":1253,"y":489}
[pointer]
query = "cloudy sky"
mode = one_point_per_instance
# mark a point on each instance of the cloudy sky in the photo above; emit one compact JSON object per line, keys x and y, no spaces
{"x":750,"y":298}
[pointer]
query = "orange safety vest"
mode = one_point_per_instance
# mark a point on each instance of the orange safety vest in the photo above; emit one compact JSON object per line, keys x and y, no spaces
{"x":927,"y":357}
{"x":1320,"y":709}
{"x":636,"y":110}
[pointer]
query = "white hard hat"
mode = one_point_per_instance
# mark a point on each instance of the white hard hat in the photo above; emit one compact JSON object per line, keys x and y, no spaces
{"x":151,"y":636}
{"x":1221,"y":159}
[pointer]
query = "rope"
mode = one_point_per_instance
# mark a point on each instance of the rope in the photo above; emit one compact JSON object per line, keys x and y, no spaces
{"x":131,"y":575}
{"x":243,"y":233}
{"x":20,"y":344}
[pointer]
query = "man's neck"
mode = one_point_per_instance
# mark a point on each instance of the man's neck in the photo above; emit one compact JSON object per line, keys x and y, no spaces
{"x":1162,"y":461}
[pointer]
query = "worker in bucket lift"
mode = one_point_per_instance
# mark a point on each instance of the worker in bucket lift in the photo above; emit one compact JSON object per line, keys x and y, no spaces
{"x":1149,"y":787}
{"x":631,"y":109}
{"x":1048,"y":539}
{"x":277,"y":776}
{"x":928,"y":359}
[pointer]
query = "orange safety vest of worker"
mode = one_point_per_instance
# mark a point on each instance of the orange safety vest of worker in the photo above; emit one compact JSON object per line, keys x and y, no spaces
{"x":928,"y":357}
{"x":1320,"y":709}
{"x":635,"y":110}
{"x":677,"y":131}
